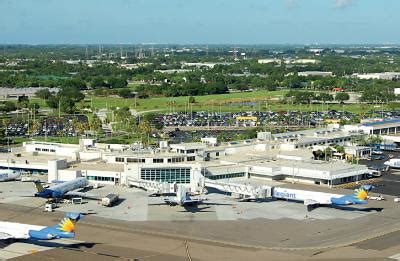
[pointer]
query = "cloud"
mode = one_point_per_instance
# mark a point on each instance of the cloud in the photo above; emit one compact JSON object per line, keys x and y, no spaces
{"x":343,"y":3}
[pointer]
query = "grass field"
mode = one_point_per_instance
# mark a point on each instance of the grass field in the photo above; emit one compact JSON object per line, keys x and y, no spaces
{"x":208,"y":102}
{"x":244,"y":101}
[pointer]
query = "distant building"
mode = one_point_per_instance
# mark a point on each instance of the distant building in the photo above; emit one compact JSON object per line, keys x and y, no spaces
{"x":378,"y":76}
{"x":315,"y":73}
{"x":205,"y":64}
{"x":271,"y":60}
{"x":302,"y":61}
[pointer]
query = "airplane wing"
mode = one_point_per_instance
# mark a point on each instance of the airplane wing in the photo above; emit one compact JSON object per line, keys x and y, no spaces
{"x":5,"y":236}
{"x":170,"y":201}
{"x":311,"y":204}
{"x":308,"y":202}
{"x":193,"y":201}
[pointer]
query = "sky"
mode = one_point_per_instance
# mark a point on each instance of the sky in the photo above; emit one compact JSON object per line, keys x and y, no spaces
{"x":199,"y":21}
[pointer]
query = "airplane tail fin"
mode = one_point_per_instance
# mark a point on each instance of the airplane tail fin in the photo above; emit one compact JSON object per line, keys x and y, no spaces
{"x":64,"y":229}
{"x":39,"y":186}
{"x":363,"y":191}
{"x":67,"y":224}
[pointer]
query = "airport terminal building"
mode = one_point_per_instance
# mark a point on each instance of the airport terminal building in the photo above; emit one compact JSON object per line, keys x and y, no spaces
{"x":276,"y":157}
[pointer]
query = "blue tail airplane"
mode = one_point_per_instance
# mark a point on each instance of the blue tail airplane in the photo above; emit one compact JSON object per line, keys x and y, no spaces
{"x":62,"y":189}
{"x":313,"y":199}
{"x":64,"y":229}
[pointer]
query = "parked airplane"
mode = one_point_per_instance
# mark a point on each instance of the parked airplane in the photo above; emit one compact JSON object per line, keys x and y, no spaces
{"x":9,"y":174}
{"x":313,"y":199}
{"x":61,"y":190}
{"x":64,"y":229}
{"x":182,"y":198}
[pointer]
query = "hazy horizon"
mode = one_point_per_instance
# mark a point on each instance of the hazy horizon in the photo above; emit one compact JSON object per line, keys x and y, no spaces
{"x":219,"y":22}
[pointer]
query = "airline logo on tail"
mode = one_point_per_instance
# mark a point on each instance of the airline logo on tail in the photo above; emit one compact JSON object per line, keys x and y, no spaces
{"x":65,"y":229}
{"x":66,"y":225}
{"x":360,"y":197}
{"x":362,"y":193}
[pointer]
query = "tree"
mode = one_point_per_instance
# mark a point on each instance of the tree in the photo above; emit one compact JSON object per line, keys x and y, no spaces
{"x":81,"y":105}
{"x":123,"y":114}
{"x":144,"y":127}
{"x":192,"y":99}
{"x":125,"y":93}
{"x":65,"y":99}
{"x":43,"y":94}
{"x":115,"y":82}
{"x":81,"y":127}
{"x":97,"y":82}
{"x":74,"y":84}
{"x":301,"y":96}
{"x":95,"y":123}
{"x":34,"y":107}
{"x":9,"y":106}
{"x":67,"y":105}
{"x":71,"y":93}
{"x":325,"y":97}
{"x":342,"y":96}
{"x":23,"y":101}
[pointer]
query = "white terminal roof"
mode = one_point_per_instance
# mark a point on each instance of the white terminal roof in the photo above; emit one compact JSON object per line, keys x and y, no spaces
{"x":98,"y":165}
{"x":189,"y":146}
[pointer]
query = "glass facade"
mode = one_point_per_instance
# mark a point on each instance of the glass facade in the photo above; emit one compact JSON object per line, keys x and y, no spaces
{"x":98,"y":178}
{"x":170,"y":175}
{"x":227,"y":176}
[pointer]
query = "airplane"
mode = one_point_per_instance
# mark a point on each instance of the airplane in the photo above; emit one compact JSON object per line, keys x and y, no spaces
{"x":314,"y":199}
{"x":182,"y":198}
{"x":9,"y":175}
{"x":61,"y":190}
{"x":64,"y":229}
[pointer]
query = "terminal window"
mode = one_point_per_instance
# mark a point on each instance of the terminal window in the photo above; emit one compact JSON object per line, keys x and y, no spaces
{"x":99,"y":178}
{"x":170,"y":175}
{"x":135,"y":160}
{"x":192,"y":158}
{"x":226,"y":176}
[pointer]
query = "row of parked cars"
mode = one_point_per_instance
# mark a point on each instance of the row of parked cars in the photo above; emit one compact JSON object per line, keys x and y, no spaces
{"x":204,"y":118}
{"x":51,"y":126}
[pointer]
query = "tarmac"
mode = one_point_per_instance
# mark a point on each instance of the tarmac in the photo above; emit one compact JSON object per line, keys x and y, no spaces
{"x":142,"y":228}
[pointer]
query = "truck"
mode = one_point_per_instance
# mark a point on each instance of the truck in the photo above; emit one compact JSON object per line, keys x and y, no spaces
{"x":49,"y":207}
{"x":109,"y":200}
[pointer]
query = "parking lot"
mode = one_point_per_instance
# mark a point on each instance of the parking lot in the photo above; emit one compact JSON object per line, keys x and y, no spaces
{"x":389,"y":182}
{"x":290,"y":118}
{"x":50,"y":126}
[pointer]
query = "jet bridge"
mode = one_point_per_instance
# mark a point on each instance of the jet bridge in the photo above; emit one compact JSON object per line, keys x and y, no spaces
{"x":155,"y":187}
{"x":241,"y":190}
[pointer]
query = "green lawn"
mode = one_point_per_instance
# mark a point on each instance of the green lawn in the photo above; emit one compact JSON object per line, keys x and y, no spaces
{"x":208,"y":102}
{"x":244,"y":101}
